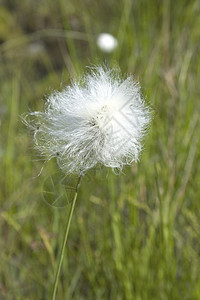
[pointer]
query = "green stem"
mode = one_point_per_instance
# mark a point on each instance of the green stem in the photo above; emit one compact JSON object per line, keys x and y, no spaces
{"x":64,"y":241}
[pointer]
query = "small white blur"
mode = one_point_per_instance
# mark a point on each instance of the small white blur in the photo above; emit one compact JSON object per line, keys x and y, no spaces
{"x":107,"y":42}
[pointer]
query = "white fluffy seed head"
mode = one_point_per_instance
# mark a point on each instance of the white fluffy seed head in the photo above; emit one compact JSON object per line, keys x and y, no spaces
{"x":107,"y":42}
{"x":100,"y":120}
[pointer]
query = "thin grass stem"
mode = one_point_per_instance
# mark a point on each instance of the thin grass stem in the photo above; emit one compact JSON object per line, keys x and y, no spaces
{"x":65,"y":241}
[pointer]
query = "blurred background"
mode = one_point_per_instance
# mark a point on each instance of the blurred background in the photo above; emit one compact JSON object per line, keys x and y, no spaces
{"x":134,"y":235}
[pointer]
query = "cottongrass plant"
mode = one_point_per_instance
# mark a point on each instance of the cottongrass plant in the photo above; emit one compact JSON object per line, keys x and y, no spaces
{"x":107,"y":42}
{"x":100,"y":119}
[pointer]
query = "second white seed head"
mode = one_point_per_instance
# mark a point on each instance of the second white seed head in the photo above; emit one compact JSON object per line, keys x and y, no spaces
{"x":107,"y":42}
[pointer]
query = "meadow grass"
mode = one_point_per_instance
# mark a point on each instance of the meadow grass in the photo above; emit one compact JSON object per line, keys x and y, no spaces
{"x":134,"y":235}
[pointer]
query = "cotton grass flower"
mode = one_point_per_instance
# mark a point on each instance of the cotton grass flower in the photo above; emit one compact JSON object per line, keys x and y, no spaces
{"x":107,"y":42}
{"x":100,"y":119}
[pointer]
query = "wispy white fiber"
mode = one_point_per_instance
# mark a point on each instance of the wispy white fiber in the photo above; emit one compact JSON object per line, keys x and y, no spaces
{"x":101,"y":119}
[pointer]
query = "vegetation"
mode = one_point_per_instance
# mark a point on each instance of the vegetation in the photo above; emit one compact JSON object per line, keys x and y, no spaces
{"x":134,"y":235}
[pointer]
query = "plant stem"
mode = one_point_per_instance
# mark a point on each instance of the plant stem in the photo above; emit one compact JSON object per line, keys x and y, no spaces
{"x":64,"y":241}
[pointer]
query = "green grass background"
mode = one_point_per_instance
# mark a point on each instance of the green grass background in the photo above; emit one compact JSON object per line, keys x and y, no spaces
{"x":135,"y":235}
